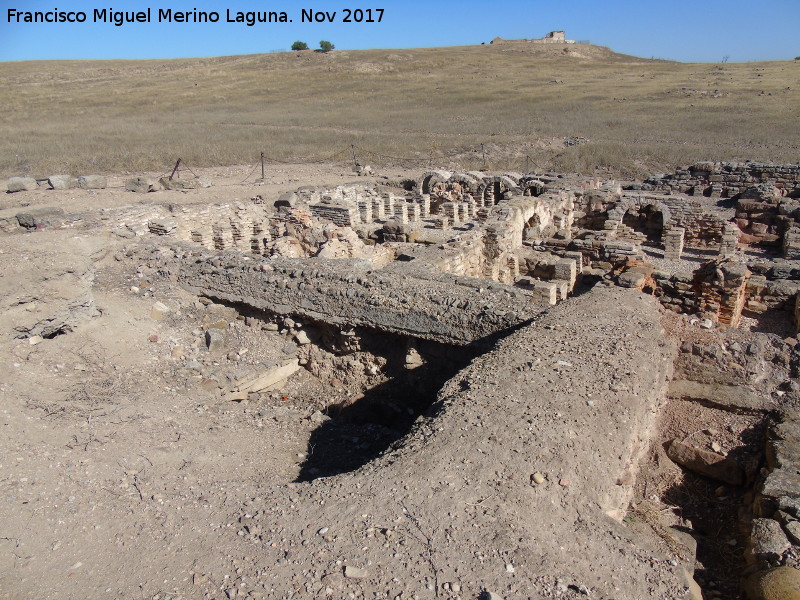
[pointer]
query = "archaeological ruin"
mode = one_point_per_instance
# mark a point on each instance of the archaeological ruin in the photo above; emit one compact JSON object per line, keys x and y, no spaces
{"x":507,"y":351}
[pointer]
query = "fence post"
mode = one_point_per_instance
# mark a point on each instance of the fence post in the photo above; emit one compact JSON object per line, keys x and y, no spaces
{"x":175,"y":170}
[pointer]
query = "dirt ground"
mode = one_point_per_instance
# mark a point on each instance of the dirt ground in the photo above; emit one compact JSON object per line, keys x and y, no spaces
{"x":120,"y":461}
{"x":126,"y":473}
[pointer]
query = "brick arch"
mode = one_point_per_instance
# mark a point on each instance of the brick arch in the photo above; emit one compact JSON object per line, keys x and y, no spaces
{"x":431,"y":178}
{"x":468,"y":182}
{"x":532,"y":186}
{"x":492,"y":184}
{"x":631,"y":205}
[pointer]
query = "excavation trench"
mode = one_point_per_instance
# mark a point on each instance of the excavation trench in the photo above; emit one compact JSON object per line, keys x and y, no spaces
{"x":370,"y":385}
{"x":700,"y":517}
{"x":363,"y":426}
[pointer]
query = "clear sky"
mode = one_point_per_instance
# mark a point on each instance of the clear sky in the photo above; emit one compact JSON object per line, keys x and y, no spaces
{"x":742,"y":30}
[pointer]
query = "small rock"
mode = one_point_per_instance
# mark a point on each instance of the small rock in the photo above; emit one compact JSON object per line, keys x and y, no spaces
{"x":716,"y":447}
{"x":214,"y":340}
{"x":631,"y":279}
{"x":706,"y":463}
{"x":782,"y":583}
{"x":355,"y":572}
{"x":537,"y":478}
{"x":563,"y":482}
{"x":159,"y":311}
{"x":301,"y":337}
{"x":793,"y":531}
{"x":323,"y":531}
{"x":487,"y":595}
{"x":707,"y":324}
{"x":35,"y":339}
{"x":124,"y":232}
{"x":153,"y":338}
{"x":767,"y":542}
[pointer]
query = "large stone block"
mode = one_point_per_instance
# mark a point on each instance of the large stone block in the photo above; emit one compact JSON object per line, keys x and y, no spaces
{"x":142,"y":185}
{"x":62,"y":182}
{"x":185,"y":184}
{"x":92,"y":182}
{"x":22,"y":184}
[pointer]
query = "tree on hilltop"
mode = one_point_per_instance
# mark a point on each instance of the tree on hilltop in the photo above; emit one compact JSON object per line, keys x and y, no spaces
{"x":298,"y":45}
{"x":326,"y":46}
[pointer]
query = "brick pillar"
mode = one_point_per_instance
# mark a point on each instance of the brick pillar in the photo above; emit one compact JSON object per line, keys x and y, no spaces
{"x":388,"y":204}
{"x":222,"y":236}
{"x":730,"y":237}
{"x":566,"y":270}
{"x":378,"y":209}
{"x":673,"y":243}
{"x":401,"y":211}
{"x":365,"y":209}
{"x":513,"y":267}
{"x":791,"y":244}
{"x":472,"y":208}
{"x":425,"y":205}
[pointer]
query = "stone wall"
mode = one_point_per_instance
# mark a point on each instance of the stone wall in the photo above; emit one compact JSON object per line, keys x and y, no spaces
{"x":398,"y":298}
{"x":339,"y":214}
{"x":726,"y":180}
{"x":702,"y":228}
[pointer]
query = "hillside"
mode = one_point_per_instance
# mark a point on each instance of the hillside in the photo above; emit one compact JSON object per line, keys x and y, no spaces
{"x":433,"y":105}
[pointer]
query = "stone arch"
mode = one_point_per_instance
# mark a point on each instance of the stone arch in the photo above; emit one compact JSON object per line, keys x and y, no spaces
{"x":532,"y":186}
{"x":431,"y":178}
{"x":468,"y":183}
{"x":647,"y":216}
{"x":492,"y":188}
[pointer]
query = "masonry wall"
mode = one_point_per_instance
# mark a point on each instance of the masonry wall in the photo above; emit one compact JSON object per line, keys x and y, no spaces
{"x":727,"y":179}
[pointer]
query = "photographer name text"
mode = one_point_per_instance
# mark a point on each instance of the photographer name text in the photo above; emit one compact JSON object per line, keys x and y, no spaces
{"x":120,"y":18}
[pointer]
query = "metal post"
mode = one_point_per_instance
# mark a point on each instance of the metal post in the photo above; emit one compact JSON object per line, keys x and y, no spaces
{"x":262,"y":166}
{"x":483,"y":151}
{"x":175,"y":170}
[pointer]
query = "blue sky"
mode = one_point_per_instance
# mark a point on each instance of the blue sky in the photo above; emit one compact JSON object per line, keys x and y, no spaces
{"x":742,"y":30}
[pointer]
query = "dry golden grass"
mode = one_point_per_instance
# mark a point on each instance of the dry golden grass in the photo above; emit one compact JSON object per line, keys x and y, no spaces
{"x":519,"y":100}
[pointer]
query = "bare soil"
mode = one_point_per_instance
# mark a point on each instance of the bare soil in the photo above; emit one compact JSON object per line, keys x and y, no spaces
{"x":127,"y":473}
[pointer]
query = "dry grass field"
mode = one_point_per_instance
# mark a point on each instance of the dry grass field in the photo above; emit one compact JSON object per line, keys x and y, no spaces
{"x":433,"y":105}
